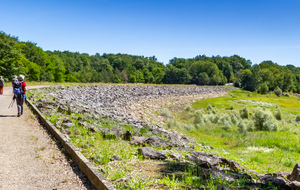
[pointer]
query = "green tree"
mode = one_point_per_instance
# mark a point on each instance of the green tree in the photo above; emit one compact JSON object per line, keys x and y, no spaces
{"x":203,"y":78}
{"x":9,"y":56}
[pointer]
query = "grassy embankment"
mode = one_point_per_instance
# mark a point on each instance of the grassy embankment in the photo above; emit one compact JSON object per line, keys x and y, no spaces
{"x":144,"y":173}
{"x":238,"y":139}
{"x":263,"y":151}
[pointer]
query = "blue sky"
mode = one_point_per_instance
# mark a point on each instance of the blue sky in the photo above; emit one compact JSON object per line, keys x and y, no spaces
{"x":254,"y":29}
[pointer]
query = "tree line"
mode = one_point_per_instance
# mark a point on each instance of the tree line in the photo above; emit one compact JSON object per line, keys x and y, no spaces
{"x":55,"y":66}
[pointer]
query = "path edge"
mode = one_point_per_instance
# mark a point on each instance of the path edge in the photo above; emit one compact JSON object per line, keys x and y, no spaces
{"x":96,"y":178}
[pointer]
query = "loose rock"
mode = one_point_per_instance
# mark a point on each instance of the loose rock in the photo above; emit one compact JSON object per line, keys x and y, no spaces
{"x":150,"y":153}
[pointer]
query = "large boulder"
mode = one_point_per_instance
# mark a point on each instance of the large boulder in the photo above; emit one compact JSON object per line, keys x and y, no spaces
{"x":233,"y":165}
{"x":175,"y":156}
{"x":229,"y":176}
{"x":295,"y":185}
{"x":150,"y":153}
{"x":295,"y":176}
{"x":199,"y":157}
{"x":279,"y":181}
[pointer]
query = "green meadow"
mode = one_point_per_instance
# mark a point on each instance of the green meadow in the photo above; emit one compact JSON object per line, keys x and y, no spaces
{"x":218,"y":122}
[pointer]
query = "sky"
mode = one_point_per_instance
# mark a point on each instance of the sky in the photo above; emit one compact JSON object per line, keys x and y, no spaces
{"x":258,"y":30}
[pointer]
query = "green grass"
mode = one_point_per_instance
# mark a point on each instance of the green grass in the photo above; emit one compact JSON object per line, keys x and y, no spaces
{"x":262,"y":151}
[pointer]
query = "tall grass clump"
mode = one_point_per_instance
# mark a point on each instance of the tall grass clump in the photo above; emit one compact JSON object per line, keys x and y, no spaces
{"x":264,"y":120}
{"x":278,"y":114}
{"x":244,"y":113}
{"x":278,"y":91}
{"x":211,"y":109}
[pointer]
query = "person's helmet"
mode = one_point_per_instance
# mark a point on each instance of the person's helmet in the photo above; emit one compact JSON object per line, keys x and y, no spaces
{"x":21,"y":77}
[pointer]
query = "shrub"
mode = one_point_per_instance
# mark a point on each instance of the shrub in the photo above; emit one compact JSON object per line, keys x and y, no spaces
{"x":263,"y":88}
{"x":188,"y":127}
{"x":211,"y":109}
{"x":225,"y":119}
{"x":231,"y":107}
{"x":244,"y":113}
{"x":197,"y":126}
{"x":166,"y":113}
{"x":198,"y":119}
{"x":264,"y":120}
{"x":188,"y":108}
{"x":297,"y":118}
{"x":237,"y":83}
{"x":216,"y":119}
{"x":233,"y":118}
{"x":242,"y":127}
{"x":278,"y":91}
{"x":278,"y":114}
{"x":207,"y":118}
{"x":227,"y":125}
{"x":250,"y":126}
{"x":170,"y":124}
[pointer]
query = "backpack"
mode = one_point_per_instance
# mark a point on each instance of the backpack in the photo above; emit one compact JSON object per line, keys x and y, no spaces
{"x":1,"y":82}
{"x":17,"y":88}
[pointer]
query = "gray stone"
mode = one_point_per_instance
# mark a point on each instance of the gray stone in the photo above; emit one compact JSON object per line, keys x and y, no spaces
{"x":233,"y":165}
{"x":228,"y":176}
{"x":114,"y":158}
{"x":123,"y":180}
{"x":68,"y":124}
{"x":295,"y":185}
{"x":275,"y":181}
{"x":150,"y":153}
{"x":176,"y":156}
{"x":92,"y":128}
{"x":199,"y":157}
{"x":156,"y":141}
{"x":66,"y":131}
{"x":221,"y":187}
{"x":295,"y":176}
{"x":138,"y":140}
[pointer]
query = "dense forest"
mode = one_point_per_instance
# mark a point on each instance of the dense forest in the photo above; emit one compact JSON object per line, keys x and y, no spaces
{"x":17,"y":57}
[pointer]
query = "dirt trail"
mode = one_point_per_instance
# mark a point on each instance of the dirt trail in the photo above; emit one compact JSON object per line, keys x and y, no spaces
{"x":29,"y":158}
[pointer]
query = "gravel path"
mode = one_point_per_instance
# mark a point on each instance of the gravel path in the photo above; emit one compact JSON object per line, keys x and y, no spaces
{"x":29,"y":158}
